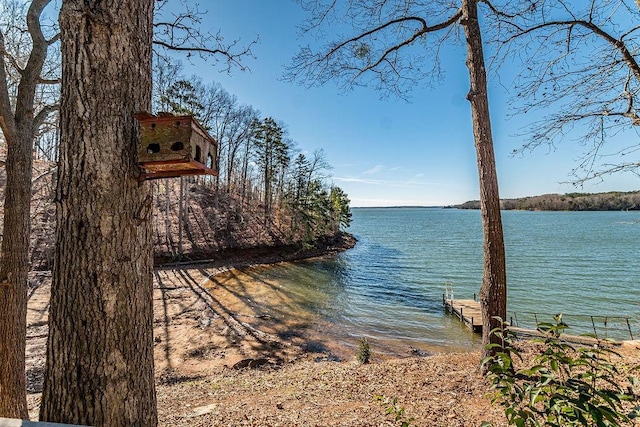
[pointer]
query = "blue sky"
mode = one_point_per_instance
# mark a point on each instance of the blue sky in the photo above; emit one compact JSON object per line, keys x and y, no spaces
{"x":387,"y":152}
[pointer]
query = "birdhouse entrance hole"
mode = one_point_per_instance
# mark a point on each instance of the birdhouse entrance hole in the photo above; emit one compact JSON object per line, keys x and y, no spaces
{"x":172,"y":146}
{"x":153,"y":148}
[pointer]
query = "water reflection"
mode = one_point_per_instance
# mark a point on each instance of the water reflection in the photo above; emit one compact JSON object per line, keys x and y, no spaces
{"x":328,"y":304}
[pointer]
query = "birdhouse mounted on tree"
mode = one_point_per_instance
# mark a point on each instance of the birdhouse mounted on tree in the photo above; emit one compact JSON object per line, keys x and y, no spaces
{"x":172,"y":146}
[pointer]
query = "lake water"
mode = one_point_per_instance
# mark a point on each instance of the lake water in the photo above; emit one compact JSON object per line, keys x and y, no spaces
{"x":389,"y":287}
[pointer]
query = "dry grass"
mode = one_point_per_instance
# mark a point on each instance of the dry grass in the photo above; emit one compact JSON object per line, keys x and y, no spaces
{"x":443,"y":390}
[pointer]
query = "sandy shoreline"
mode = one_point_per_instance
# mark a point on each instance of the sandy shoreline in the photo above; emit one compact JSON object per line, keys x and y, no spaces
{"x":203,"y":328}
{"x":201,"y":333}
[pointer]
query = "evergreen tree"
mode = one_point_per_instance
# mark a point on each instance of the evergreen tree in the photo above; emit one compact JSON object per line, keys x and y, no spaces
{"x":341,"y":213}
{"x":181,"y":98}
{"x":271,"y":156}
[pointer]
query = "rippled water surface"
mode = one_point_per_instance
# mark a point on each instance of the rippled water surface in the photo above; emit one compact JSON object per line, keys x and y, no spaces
{"x":389,"y":287}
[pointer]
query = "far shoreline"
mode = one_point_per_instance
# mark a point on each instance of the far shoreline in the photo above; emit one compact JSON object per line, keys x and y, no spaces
{"x":553,"y":202}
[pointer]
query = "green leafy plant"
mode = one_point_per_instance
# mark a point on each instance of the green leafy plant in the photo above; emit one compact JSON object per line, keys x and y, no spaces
{"x":565,"y":386}
{"x":398,"y":412}
{"x":364,"y":351}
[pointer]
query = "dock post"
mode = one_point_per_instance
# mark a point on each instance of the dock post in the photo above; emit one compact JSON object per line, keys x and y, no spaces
{"x":466,"y":310}
{"x":594,"y":327}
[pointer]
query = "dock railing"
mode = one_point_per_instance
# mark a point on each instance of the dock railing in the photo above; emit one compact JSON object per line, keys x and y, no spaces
{"x":599,"y":326}
{"x":467,"y":310}
{"x":448,"y":291}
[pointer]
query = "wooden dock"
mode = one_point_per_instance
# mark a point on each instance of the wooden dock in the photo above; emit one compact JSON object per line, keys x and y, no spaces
{"x":467,"y":310}
{"x":470,"y":314}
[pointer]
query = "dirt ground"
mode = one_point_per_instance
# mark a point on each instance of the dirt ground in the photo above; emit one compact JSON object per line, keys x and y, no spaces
{"x":221,"y":361}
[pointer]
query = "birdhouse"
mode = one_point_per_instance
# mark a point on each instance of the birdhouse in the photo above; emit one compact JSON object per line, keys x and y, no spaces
{"x":172,"y":146}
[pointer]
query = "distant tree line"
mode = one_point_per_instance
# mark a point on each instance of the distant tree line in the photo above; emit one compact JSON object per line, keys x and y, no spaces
{"x":611,"y":201}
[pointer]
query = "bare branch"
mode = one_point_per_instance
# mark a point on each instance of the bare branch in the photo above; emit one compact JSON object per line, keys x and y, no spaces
{"x":232,"y":58}
{"x":31,"y":74}
{"x":580,"y":70}
{"x":616,"y":43}
{"x":7,"y":121}
{"x":423,"y":29}
{"x":498,"y":12}
{"x":419,"y":33}
{"x":181,"y":33}
{"x":317,"y":19}
{"x":373,"y":55}
{"x":14,"y":62}
{"x":53,"y":39}
{"x":44,"y":81}
{"x":43,"y":175}
{"x":42,"y":116}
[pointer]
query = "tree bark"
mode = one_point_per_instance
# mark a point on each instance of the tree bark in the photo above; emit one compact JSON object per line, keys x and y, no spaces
{"x":99,"y":368}
{"x":18,"y":127}
{"x":13,"y":277}
{"x":181,"y":216}
{"x":493,"y":292}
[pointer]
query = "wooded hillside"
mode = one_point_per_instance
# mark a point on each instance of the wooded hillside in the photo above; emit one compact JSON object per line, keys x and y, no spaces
{"x":204,"y":222}
{"x":611,"y":201}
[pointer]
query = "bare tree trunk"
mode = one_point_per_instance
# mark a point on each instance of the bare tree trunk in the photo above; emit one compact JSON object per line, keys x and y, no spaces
{"x":99,"y":368}
{"x":181,"y":216}
{"x":493,"y":293}
{"x":245,"y":173}
{"x":13,"y":278}
{"x":17,"y":123}
{"x":267,"y":193}
{"x":230,"y":167}
{"x":167,"y":220}
{"x":187,"y":204}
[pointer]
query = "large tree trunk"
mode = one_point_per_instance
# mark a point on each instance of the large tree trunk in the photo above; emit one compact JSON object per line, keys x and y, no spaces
{"x":99,"y":368}
{"x":13,"y":277}
{"x":18,"y":128}
{"x":493,"y":293}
